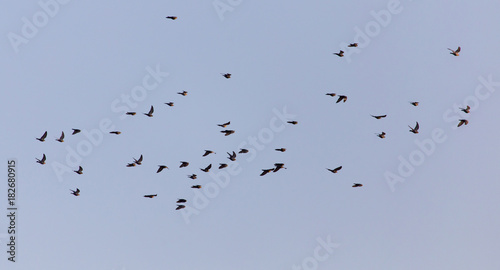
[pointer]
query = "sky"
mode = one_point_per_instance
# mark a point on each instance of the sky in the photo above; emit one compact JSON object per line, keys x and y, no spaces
{"x":428,"y":201}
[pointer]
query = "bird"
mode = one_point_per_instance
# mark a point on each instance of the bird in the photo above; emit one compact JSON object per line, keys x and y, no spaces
{"x":181,"y":200}
{"x":80,"y":170}
{"x":131,"y":165}
{"x":280,"y":149}
{"x":462,"y":122}
{"x":184,"y":93}
{"x":208,"y":152}
{"x":243,"y":151}
{"x":292,"y":122}
{"x":161,"y":167}
{"x":379,"y":116}
{"x":381,"y":135}
{"x":455,"y":53}
{"x":170,"y":104}
{"x":41,"y":161}
{"x":184,"y":164}
{"x":138,"y":161}
{"x":150,"y":113}
{"x":341,"y":98}
{"x":226,"y":75}
{"x":222,"y":165}
{"x":340,"y":54}
{"x":225,"y":124}
{"x":171,"y":17}
{"x":115,"y":132}
{"x":61,"y":139}
{"x":331,"y":94}
{"x":232,"y":157}
{"x":75,"y":131}
{"x":196,"y":186}
{"x":414,"y":103}
{"x":335,"y":170}
{"x":357,"y":185}
{"x":227,"y":132}
{"x":466,"y":110}
{"x":266,"y":171}
{"x":415,"y":129}
{"x":42,"y":139}
{"x":207,"y":168}
{"x":180,"y":206}
{"x":278,"y":167}
{"x":75,"y":192}
{"x":151,"y":196}
{"x":130,"y":113}
{"x":353,"y":45}
{"x":192,"y":176}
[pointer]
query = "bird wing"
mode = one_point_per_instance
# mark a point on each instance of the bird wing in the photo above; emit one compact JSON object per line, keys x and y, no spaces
{"x":458,"y":50}
{"x":44,"y":158}
{"x":417,"y":126}
{"x":62,"y":136}
{"x":44,"y":135}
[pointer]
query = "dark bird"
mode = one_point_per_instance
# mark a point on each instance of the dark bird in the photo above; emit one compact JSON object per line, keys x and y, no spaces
{"x":150,"y":113}
{"x":331,"y":94}
{"x":75,"y":192}
{"x":170,"y":104}
{"x":466,"y":110}
{"x":75,"y":131}
{"x":292,"y":122}
{"x":61,"y":139}
{"x":42,"y":139}
{"x":171,"y":17}
{"x":227,"y":132}
{"x":342,"y":98}
{"x":222,"y":165}
{"x":280,"y":149}
{"x":379,"y":116}
{"x":181,"y":200}
{"x":414,"y":103}
{"x":115,"y":132}
{"x":80,"y":170}
{"x":266,"y":171}
{"x":226,"y":75}
{"x":353,"y":45}
{"x":225,"y":124}
{"x":243,"y":151}
{"x":192,"y":176}
{"x":131,"y":165}
{"x":381,"y":135}
{"x":161,"y":167}
{"x":335,"y":170}
{"x":463,"y":122}
{"x":151,"y":196}
{"x":415,"y":129}
{"x":138,"y":161}
{"x":196,"y":186}
{"x":455,"y":53}
{"x":130,"y":113}
{"x":207,"y":168}
{"x":232,"y":157}
{"x":184,"y":93}
{"x":41,"y":161}
{"x":180,"y":206}
{"x":184,"y":164}
{"x":357,"y":185}
{"x":208,"y":152}
{"x":278,"y":166}
{"x":340,"y":54}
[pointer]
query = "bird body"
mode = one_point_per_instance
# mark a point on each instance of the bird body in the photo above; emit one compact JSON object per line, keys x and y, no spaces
{"x":455,"y":52}
{"x":75,"y":192}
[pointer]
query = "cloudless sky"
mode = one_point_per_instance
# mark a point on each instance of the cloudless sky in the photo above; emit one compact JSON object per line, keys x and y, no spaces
{"x":435,"y":208}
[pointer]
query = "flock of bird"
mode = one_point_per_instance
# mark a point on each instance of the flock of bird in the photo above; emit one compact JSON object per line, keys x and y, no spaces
{"x":232,"y":155}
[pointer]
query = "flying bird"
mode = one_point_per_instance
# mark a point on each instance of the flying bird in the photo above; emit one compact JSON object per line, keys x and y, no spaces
{"x":184,"y":93}
{"x":455,"y":53}
{"x":340,"y":54}
{"x":42,"y":139}
{"x":335,"y":170}
{"x":341,"y":98}
{"x":463,"y":122}
{"x":415,"y":129}
{"x":115,"y":132}
{"x":180,"y":206}
{"x":181,"y":200}
{"x":75,"y":192}
{"x":225,"y":124}
{"x":192,"y":176}
{"x":150,"y":113}
{"x":280,"y":149}
{"x":357,"y":185}
{"x":232,"y":157}
{"x":170,"y":104}
{"x":184,"y":164}
{"x":80,"y":170}
{"x":61,"y":139}
{"x":138,"y":161}
{"x":226,"y":75}
{"x":266,"y":171}
{"x":161,"y":167}
{"x":130,"y":113}
{"x":414,"y":103}
{"x":75,"y":131}
{"x":227,"y":132}
{"x":331,"y":94}
{"x":171,"y":17}
{"x":292,"y":122}
{"x":151,"y":196}
{"x":466,"y":110}
{"x":353,"y":45}
{"x":243,"y":151}
{"x":379,"y":116}
{"x":196,"y":186}
{"x":381,"y":135}
{"x":41,"y":161}
{"x":207,"y":168}
{"x":222,"y":165}
{"x":131,"y":165}
{"x":278,"y":166}
{"x":208,"y":152}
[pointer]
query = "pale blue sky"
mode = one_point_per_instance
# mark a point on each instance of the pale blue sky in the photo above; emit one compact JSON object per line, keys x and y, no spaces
{"x":84,"y":58}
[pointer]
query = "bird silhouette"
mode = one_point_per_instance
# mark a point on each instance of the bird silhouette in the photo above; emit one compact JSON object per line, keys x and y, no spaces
{"x":381,"y":135}
{"x":340,"y":54}
{"x":61,"y":139}
{"x":42,"y":139}
{"x":292,"y":122}
{"x":226,"y":75}
{"x":455,"y":53}
{"x":353,"y":45}
{"x":41,"y":161}
{"x":150,"y":196}
{"x":227,"y":132}
{"x":184,"y":164}
{"x":207,"y":168}
{"x":115,"y":132}
{"x":150,"y":113}
{"x":75,"y":192}
{"x":181,"y":200}
{"x":208,"y":152}
{"x":222,"y":165}
{"x":171,"y":17}
{"x":463,"y":122}
{"x":357,"y":185}
{"x":232,"y":157}
{"x":130,"y":113}
{"x":80,"y":170}
{"x":131,"y":165}
{"x":170,"y":104}
{"x":180,"y":206}
{"x":75,"y":131}
{"x":341,"y":98}
{"x":225,"y":124}
{"x":161,"y":167}
{"x":466,"y":110}
{"x":414,"y":103}
{"x":335,"y":170}
{"x":192,"y":176}
{"x":379,"y":116}
{"x":415,"y":129}
{"x":280,"y":149}
{"x":138,"y":161}
{"x":243,"y":151}
{"x":184,"y":93}
{"x":196,"y":186}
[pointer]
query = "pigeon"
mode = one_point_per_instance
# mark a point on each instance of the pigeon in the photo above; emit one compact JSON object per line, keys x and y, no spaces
{"x":131,"y":165}
{"x":170,"y":104}
{"x":42,"y":139}
{"x":331,"y":94}
{"x":222,"y":165}
{"x":353,"y":45}
{"x":414,"y":103}
{"x":115,"y":132}
{"x":381,"y":135}
{"x":292,"y":122}
{"x":243,"y":151}
{"x":130,"y":113}
{"x":184,"y":93}
{"x":180,"y":206}
{"x":181,"y":200}
{"x":138,"y":161}
{"x":226,"y":75}
{"x":196,"y":186}
{"x":41,"y":161}
{"x":150,"y":113}
{"x":455,"y":53}
{"x":192,"y":176}
{"x":278,"y":167}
